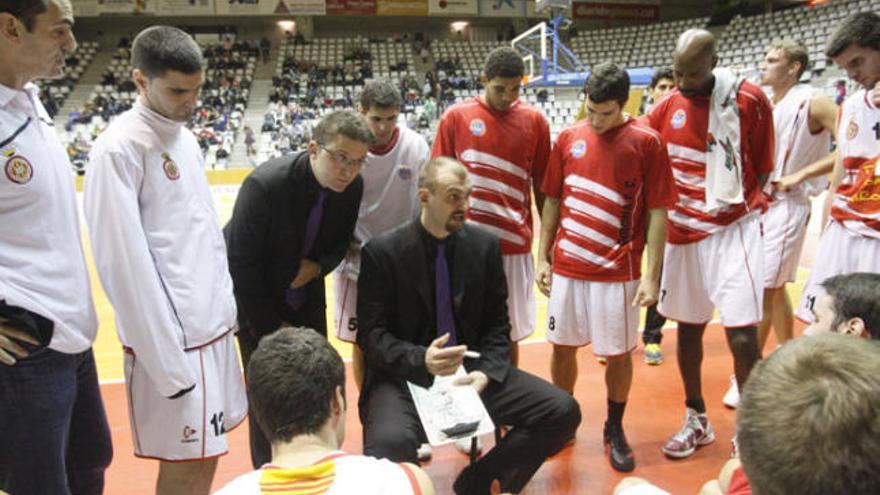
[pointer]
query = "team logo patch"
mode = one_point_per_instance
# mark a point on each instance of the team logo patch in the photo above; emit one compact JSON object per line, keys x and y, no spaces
{"x":188,"y":433}
{"x":19,"y":169}
{"x":171,"y":169}
{"x":852,"y":130}
{"x":678,"y":119}
{"x":478,"y":127}
{"x":579,"y":148}
{"x":404,"y":171}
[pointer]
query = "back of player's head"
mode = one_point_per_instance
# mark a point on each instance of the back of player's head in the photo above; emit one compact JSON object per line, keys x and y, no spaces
{"x":808,"y":421}
{"x":292,"y":379}
{"x":660,"y":74}
{"x":159,"y":49}
{"x":794,"y":51}
{"x":503,"y":62}
{"x":856,"y":295}
{"x":607,"y":82}
{"x":24,"y":10}
{"x":428,"y":175}
{"x":343,"y":123}
{"x":380,"y":93}
{"x":862,"y":28}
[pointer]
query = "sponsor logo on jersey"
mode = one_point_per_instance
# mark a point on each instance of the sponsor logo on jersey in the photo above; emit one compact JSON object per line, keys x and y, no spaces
{"x":404,"y":171}
{"x":19,"y":169}
{"x":579,"y":148}
{"x":478,"y":127}
{"x":852,"y":130}
{"x":172,"y":171}
{"x":188,"y":434}
{"x":679,"y":118}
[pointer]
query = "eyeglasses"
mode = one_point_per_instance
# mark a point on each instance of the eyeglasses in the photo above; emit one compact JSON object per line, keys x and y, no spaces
{"x":339,"y":157}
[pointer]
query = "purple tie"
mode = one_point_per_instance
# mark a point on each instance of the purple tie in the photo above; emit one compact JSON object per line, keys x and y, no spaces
{"x":445,"y":318}
{"x":296,"y":297}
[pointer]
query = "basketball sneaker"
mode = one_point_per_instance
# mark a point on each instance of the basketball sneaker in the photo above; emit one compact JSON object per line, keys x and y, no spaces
{"x":695,"y":432}
{"x":653,"y":354}
{"x":619,"y":452}
{"x":731,"y":398}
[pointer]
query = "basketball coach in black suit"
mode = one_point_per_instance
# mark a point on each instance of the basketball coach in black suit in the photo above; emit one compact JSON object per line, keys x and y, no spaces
{"x":428,"y":291}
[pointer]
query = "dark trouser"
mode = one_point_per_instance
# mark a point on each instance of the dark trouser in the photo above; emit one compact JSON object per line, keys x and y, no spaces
{"x":313,"y":316}
{"x":543,"y":417}
{"x":54,"y":437}
{"x":654,"y":322}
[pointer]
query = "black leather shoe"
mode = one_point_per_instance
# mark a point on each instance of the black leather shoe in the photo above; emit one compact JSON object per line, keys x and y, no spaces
{"x":619,"y":453}
{"x":469,"y":482}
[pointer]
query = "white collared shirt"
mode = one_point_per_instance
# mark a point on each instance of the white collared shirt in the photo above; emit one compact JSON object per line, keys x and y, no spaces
{"x":42,"y":266}
{"x":157,"y":243}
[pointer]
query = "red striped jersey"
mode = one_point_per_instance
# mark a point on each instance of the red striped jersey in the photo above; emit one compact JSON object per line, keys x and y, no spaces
{"x":856,"y":203}
{"x":504,"y":152}
{"x":337,"y":474}
{"x":605,"y":184}
{"x":684,"y":125}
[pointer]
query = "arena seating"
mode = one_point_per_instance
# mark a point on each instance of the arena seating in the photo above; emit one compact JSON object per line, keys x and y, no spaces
{"x":53,"y":92}
{"x":228,"y":77}
{"x":744,"y":43}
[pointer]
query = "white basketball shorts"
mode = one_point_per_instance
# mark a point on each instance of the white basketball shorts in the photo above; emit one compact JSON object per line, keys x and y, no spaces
{"x":785,"y":228}
{"x":840,"y":251}
{"x":582,"y":312}
{"x":194,"y":426}
{"x":724,"y":271}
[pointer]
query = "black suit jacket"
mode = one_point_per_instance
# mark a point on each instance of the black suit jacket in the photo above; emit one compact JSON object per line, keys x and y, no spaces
{"x":396,"y":318}
{"x":264,"y":240}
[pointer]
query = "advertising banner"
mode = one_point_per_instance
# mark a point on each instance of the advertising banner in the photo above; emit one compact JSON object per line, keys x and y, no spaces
{"x":402,"y":7}
{"x":126,"y":7}
{"x":184,"y":7}
{"x":503,"y":8}
{"x":351,"y":7}
{"x":85,"y":8}
{"x":452,"y":7}
{"x":615,"y":11}
{"x":247,"y":7}
{"x":301,"y":7}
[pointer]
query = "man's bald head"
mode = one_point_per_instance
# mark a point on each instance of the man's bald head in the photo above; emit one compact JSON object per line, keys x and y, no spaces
{"x":693,"y":59}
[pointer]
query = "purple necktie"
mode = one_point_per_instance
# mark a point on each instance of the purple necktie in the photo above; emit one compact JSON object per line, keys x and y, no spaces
{"x":443,"y":297}
{"x":296,"y":297}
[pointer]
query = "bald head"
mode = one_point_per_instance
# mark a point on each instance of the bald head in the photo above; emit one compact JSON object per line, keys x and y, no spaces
{"x":693,"y":59}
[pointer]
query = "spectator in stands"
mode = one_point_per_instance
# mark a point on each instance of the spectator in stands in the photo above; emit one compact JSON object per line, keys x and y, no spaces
{"x":265,"y":47}
{"x":290,"y":227}
{"x":54,"y":437}
{"x":296,"y":381}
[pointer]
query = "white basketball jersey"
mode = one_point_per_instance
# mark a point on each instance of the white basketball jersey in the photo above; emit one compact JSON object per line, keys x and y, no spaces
{"x":391,"y":186}
{"x":337,"y":474}
{"x":857,"y":200}
{"x":796,"y":145}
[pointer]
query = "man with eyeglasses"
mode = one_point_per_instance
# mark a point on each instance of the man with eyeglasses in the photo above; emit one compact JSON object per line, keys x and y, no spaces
{"x":291,"y":226}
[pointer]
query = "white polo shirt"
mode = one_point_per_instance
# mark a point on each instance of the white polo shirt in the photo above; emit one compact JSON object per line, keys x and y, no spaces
{"x":157,"y":243}
{"x":42,"y":267}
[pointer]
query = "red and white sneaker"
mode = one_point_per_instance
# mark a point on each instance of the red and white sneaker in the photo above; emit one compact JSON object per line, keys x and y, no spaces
{"x":695,"y":432}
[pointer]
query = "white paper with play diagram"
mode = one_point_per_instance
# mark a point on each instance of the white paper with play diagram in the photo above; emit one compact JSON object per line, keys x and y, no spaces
{"x":445,"y":406}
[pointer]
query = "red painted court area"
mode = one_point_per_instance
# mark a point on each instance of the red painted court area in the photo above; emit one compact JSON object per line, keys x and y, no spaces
{"x":655,"y":411}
